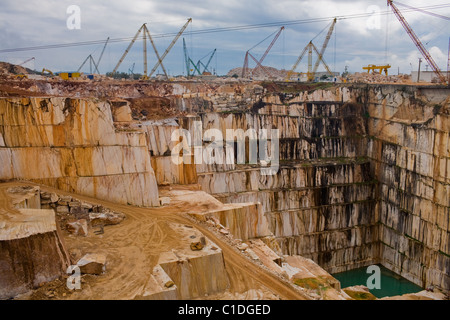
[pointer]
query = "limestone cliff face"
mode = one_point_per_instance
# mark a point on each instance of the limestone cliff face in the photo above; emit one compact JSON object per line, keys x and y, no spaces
{"x":410,"y":153}
{"x":363,"y":178}
{"x":364,"y":170}
{"x":72,"y":144}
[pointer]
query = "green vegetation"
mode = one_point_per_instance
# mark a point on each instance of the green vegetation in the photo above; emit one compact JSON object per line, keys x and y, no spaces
{"x":359,"y":295}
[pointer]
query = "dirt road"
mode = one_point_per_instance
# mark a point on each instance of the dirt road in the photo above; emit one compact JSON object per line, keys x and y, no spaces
{"x":133,"y":248}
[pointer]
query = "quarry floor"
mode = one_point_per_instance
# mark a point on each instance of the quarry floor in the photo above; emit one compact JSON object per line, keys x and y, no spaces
{"x":133,"y":248}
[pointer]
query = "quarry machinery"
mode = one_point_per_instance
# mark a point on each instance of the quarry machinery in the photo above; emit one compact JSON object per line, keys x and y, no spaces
{"x":91,"y":62}
{"x":416,"y":41}
{"x":48,"y":71}
{"x":145,"y":34}
{"x":372,"y":67}
{"x":189,"y":62}
{"x":28,"y":60}
{"x":310,"y":47}
{"x":260,"y":61}
{"x":160,"y":60}
{"x":322,"y":51}
{"x":205,"y":66}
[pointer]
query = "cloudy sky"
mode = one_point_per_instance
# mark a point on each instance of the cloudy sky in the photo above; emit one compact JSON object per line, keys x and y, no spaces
{"x":370,"y":39}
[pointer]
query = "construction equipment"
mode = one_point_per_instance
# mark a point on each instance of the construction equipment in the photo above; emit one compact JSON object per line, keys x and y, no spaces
{"x":189,"y":62}
{"x":160,"y":60}
{"x":69,"y":75}
{"x":101,"y":54}
{"x":48,"y":71}
{"x":322,"y":51}
{"x":196,"y":66}
{"x":417,"y":42}
{"x":205,"y":67}
{"x":259,"y":62}
{"x":91,"y":62}
{"x":310,"y":47}
{"x":28,"y":60}
{"x":372,"y":67}
{"x":21,"y":76}
{"x":146,"y":34}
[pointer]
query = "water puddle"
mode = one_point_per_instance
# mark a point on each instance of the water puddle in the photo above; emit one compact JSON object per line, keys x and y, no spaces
{"x":391,"y":284}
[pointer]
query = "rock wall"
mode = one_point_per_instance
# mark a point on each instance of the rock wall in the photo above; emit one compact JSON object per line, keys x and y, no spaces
{"x":73,"y":145}
{"x":410,"y":152}
{"x":363,"y":178}
{"x":363,"y":175}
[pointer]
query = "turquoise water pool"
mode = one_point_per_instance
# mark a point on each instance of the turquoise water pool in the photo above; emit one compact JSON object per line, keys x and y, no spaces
{"x":391,"y":284}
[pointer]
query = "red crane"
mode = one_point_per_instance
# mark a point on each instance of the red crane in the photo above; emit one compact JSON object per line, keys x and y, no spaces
{"x":259,"y":63}
{"x":417,"y":42}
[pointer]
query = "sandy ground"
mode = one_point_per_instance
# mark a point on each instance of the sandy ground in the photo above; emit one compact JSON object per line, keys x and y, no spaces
{"x":133,"y":248}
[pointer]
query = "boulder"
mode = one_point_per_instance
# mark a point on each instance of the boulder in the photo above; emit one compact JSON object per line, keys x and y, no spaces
{"x":62,"y":209}
{"x":92,"y":263}
{"x":79,"y":227}
{"x":106,"y":218}
{"x":164,"y":201}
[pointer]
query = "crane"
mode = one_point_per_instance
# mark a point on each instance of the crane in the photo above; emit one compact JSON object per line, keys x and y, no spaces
{"x":101,"y":54}
{"x":205,"y":67}
{"x":260,"y":61}
{"x":310,"y":47}
{"x":417,"y":42}
{"x":145,"y":34}
{"x":91,"y":62}
{"x":322,"y":51}
{"x":160,"y":60}
{"x":28,"y":60}
{"x":128,"y":48}
{"x":189,"y":62}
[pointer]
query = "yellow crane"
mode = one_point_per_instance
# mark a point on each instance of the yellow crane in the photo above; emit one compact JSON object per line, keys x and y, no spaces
{"x":310,"y":47}
{"x":372,"y":67}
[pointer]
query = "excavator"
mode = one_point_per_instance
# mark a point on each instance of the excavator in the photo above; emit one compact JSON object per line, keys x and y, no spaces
{"x":48,"y":71}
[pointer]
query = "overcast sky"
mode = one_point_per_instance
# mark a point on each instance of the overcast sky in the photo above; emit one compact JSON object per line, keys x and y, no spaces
{"x":355,"y":43}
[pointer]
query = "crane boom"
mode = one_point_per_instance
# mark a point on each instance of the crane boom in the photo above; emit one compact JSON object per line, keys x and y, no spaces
{"x":156,"y":52}
{"x":170,"y":47}
{"x":324,"y":46}
{"x":416,"y":41}
{"x":28,"y":60}
{"x":259,"y":63}
{"x":320,"y":58}
{"x":128,"y":49}
{"x":101,"y":54}
{"x":209,"y":60}
{"x":269,"y":47}
{"x":300,"y":57}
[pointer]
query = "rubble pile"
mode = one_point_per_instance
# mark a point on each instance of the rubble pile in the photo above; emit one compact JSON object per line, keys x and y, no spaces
{"x":8,"y":70}
{"x":259,"y":72}
{"x":365,"y":77}
{"x":77,"y":217}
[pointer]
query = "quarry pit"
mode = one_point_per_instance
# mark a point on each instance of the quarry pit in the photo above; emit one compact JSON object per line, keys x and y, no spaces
{"x":87,"y":168}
